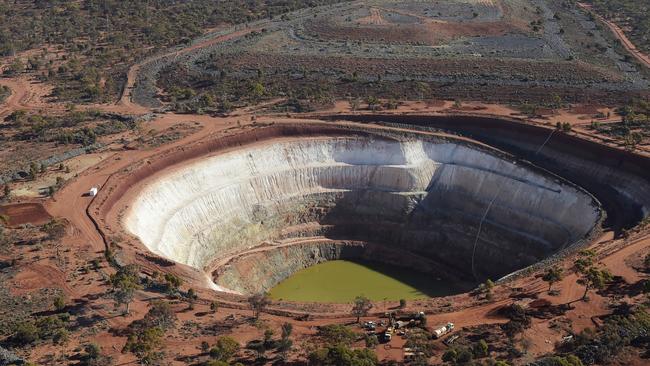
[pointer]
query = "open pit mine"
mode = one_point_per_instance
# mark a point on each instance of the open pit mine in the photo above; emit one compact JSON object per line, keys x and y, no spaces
{"x":250,"y":212}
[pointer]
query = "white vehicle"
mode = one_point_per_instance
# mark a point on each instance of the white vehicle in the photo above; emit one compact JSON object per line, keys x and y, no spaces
{"x":445,"y":329}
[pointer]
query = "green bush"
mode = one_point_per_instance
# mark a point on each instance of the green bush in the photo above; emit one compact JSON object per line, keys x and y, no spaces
{"x":480,"y":349}
{"x":25,"y":333}
{"x":225,"y":348}
{"x":342,"y":355}
{"x":334,"y":334}
{"x":450,"y":355}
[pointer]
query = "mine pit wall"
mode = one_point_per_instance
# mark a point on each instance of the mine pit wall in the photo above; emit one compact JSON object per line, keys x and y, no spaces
{"x":619,"y":179}
{"x":431,"y":209}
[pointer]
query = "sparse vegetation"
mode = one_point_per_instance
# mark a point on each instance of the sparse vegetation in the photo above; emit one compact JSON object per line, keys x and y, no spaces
{"x":341,"y":355}
{"x":145,"y":339}
{"x":619,"y":332}
{"x":224,"y":349}
{"x":102,"y":38}
{"x":591,"y":276}
{"x":92,"y":356}
{"x":55,"y":229}
{"x":124,"y":283}
{"x":628,"y":13}
{"x":552,"y":276}
{"x":337,"y":334}
{"x":4,"y":93}
{"x":258,"y":303}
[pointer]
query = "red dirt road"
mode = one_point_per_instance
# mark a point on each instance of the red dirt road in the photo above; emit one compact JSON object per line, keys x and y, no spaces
{"x":620,"y":35}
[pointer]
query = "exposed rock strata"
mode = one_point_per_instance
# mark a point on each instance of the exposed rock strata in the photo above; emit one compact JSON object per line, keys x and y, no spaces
{"x":425,"y":198}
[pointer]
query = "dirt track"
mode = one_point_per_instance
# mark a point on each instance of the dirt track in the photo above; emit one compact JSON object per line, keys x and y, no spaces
{"x":620,"y":35}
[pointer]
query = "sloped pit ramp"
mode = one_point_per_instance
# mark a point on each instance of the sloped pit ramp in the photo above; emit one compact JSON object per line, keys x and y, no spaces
{"x":255,"y":215}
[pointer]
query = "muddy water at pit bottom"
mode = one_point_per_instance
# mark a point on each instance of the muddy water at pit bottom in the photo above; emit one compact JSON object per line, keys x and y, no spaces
{"x":342,"y":281}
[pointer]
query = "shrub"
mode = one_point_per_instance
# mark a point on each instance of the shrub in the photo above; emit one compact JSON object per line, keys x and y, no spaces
{"x":172,"y":282}
{"x":450,"y":355}
{"x":205,"y":346}
{"x":334,"y":334}
{"x":341,"y":355}
{"x":145,"y":344}
{"x":59,"y":303}
{"x":25,"y":333}
{"x":464,"y":356}
{"x":161,"y":315}
{"x":480,"y":349}
{"x":225,"y":348}
{"x":61,"y":336}
{"x":371,"y":340}
{"x":92,"y":356}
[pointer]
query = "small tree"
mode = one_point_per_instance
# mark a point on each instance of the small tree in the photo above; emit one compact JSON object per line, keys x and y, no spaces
{"x":594,"y":278}
{"x":161,"y":315}
{"x":124,"y":283}
{"x":591,"y":276}
{"x":402,"y":303}
{"x":552,"y":276}
{"x":585,"y":260}
{"x":145,"y":345}
{"x":6,"y":191}
{"x":268,"y":338}
{"x":285,"y":343}
{"x":362,"y":306}
{"x":214,"y":306}
{"x":287,"y":329}
{"x":258,"y":303}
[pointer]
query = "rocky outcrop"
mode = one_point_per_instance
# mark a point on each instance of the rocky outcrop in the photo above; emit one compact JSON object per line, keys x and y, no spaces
{"x":8,"y":358}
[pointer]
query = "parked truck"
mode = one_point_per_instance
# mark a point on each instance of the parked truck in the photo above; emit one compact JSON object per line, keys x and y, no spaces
{"x":441,"y":331}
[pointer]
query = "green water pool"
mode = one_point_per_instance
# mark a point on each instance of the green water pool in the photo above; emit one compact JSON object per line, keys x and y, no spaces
{"x":342,"y":281}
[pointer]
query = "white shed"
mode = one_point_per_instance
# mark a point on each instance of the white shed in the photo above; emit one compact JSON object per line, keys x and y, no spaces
{"x":92,"y":192}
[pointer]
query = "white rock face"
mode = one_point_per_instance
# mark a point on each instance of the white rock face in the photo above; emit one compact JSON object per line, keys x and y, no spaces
{"x":231,"y":202}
